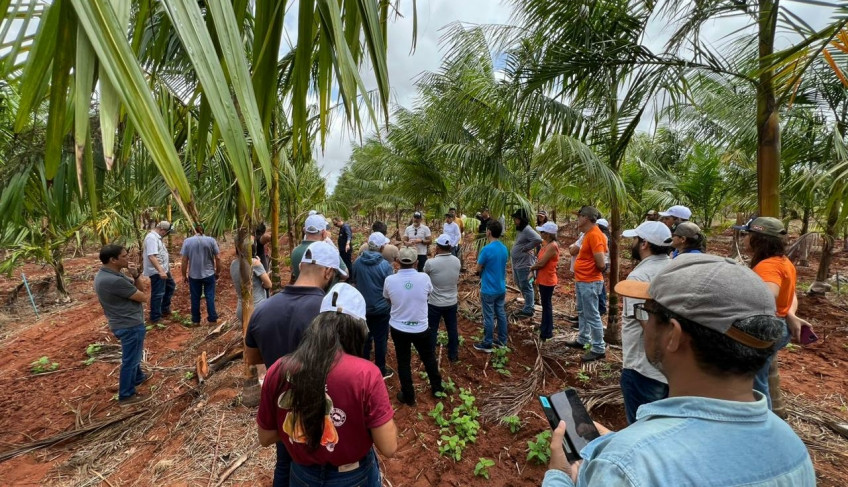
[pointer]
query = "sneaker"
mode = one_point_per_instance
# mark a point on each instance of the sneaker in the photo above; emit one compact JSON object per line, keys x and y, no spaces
{"x":483,"y":347}
{"x":574,"y":344}
{"x":134,"y":399}
{"x":402,"y":399}
{"x":591,"y":356}
{"x":389,"y":373}
{"x":524,"y":314}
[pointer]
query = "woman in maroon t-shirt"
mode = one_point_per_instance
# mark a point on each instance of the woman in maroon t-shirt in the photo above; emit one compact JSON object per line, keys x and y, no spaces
{"x":328,"y":406}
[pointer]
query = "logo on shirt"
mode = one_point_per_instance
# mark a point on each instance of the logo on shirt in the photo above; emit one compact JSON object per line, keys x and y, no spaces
{"x":408,"y":285}
{"x":338,"y":417}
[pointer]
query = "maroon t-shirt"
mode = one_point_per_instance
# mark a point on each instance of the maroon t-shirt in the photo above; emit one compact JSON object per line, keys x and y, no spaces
{"x":357,"y":400}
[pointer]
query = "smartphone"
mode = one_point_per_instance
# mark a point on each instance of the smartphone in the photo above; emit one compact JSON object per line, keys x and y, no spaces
{"x":807,"y":335}
{"x":579,"y":428}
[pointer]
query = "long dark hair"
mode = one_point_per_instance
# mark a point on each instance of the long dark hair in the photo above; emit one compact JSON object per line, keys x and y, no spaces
{"x":324,"y":340}
{"x":765,"y":246}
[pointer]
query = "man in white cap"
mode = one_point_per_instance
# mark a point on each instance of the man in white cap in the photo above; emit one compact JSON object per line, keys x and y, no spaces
{"x":370,"y":271}
{"x":390,"y":252}
{"x":277,"y":324}
{"x":420,"y":236}
{"x":443,"y":270}
{"x":157,"y":267}
{"x":675,"y":215}
{"x":314,"y":230}
{"x":641,"y":382}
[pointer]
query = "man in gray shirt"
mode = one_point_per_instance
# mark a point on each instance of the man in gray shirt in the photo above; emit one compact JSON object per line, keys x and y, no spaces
{"x":443,"y":270}
{"x":156,"y":266}
{"x":527,"y":241}
{"x":641,"y":382}
{"x":122,"y":304}
{"x":201,"y":267}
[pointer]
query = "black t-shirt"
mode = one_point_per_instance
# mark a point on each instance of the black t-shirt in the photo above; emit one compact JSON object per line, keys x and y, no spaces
{"x":345,"y":236}
{"x":277,"y":325}
{"x":483,"y":225}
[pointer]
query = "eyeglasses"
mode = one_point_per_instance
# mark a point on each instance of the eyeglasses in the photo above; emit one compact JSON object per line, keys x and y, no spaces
{"x":641,"y":313}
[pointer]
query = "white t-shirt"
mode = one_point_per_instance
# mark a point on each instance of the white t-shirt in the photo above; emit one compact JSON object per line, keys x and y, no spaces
{"x":419,"y":232}
{"x":452,"y":231}
{"x":153,"y":245}
{"x":408,"y":291}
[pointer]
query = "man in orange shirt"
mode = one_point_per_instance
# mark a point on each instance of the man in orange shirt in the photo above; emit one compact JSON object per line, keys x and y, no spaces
{"x":588,"y":284}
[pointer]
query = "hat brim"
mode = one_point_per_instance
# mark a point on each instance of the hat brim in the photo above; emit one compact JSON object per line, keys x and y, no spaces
{"x":741,"y":228}
{"x":629,"y":233}
{"x":633,"y":289}
{"x":664,"y":213}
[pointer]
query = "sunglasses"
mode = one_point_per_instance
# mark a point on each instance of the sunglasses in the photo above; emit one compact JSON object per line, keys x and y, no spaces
{"x":416,"y":232}
{"x":641,"y":313}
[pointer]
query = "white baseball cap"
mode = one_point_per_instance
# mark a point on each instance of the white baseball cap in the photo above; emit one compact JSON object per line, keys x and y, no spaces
{"x":443,"y":240}
{"x":377,"y":239}
{"x":548,"y":227}
{"x":344,"y":298}
{"x":315,"y":224}
{"x":678,"y":211}
{"x":656,"y":233}
{"x":603,"y":222}
{"x":323,"y":254}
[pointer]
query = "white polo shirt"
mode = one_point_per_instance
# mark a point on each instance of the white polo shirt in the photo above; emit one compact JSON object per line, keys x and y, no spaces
{"x":408,"y":291}
{"x":420,"y":232}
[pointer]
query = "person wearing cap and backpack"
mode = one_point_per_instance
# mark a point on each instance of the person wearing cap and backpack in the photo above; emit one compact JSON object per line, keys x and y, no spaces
{"x":708,"y":338}
{"x":370,"y":271}
{"x":201,"y":266}
{"x":687,"y":239}
{"x":407,"y":291}
{"x":765,"y":243}
{"x":443,"y":270}
{"x":328,"y":407}
{"x":156,"y":266}
{"x":418,"y":235}
{"x":277,"y":325}
{"x":675,"y":215}
{"x":546,"y":276}
{"x":641,"y":382}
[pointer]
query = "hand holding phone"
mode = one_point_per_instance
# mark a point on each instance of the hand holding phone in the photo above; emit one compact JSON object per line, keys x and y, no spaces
{"x":808,"y":336}
{"x":580,"y":429}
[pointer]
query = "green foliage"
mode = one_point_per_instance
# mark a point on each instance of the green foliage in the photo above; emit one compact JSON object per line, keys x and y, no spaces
{"x":449,"y":386}
{"x":583,"y":377}
{"x":500,"y":357}
{"x":188,"y":375}
{"x":462,"y":423}
{"x":91,"y":350}
{"x":452,"y":446}
{"x":482,"y":467}
{"x":539,"y":451}
{"x":43,"y":365}
{"x":442,"y":338}
{"x":512,"y":422}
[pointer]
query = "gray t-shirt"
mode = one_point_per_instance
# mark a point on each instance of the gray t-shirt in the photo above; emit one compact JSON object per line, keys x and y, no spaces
{"x":632,"y":347}
{"x":200,"y":251}
{"x":114,"y":290}
{"x":443,"y":270}
{"x":523,"y":250}
{"x":259,"y":292}
{"x":153,"y":245}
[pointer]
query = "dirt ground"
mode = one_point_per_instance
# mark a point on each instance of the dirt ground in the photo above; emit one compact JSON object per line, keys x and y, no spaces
{"x":201,"y":434}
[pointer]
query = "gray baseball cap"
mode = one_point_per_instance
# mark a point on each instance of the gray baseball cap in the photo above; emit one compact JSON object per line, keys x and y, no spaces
{"x":712,"y":291}
{"x":765,"y":225}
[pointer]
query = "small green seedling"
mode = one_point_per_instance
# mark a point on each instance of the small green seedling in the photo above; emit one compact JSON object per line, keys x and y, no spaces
{"x":449,"y":387}
{"x":512,"y":422}
{"x":791,"y":347}
{"x":43,"y":365}
{"x":482,"y":468}
{"x":583,"y":377}
{"x":188,"y":375}
{"x":539,"y":451}
{"x":442,"y":338}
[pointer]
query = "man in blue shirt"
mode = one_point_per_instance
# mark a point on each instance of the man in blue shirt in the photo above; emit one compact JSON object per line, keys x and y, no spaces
{"x":709,"y":325}
{"x":491,"y":267}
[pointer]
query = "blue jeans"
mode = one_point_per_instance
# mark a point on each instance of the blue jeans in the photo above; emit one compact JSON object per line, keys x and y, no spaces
{"x":282,"y":470}
{"x":132,"y":348}
{"x":434,"y":316}
{"x":546,"y":330}
{"x":161,"y":291}
{"x":197,"y":288}
{"x":493,"y":306}
{"x":366,"y":475}
{"x":637,"y":390}
{"x":522,"y":282}
{"x":761,"y":379}
{"x":589,"y":319}
{"x":378,"y":333}
{"x":602,"y":301}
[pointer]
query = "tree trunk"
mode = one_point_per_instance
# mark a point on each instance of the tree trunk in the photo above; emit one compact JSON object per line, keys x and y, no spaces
{"x":245,"y":270}
{"x":829,"y":240}
{"x":613,"y":331}
{"x":805,"y":221}
{"x":768,"y":128}
{"x":276,"y":283}
{"x":59,"y":270}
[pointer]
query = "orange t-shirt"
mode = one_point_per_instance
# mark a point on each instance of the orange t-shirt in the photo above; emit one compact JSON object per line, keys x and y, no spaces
{"x":547,"y":276}
{"x":779,"y":270}
{"x":584,"y":266}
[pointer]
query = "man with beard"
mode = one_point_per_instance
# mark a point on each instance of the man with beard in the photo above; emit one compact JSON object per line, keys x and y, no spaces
{"x":641,"y":382}
{"x":709,"y":325}
{"x":675,"y":215}
{"x":527,"y":241}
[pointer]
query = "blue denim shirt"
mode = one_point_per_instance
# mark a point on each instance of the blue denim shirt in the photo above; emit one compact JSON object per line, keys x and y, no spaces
{"x":683,"y":441}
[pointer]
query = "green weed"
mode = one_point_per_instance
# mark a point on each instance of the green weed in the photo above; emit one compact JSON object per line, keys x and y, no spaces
{"x":43,"y":365}
{"x":539,"y":451}
{"x":482,"y":468}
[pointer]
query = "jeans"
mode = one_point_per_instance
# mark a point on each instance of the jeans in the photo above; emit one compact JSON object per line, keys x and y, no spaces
{"x":378,"y":333}
{"x":421,"y":260}
{"x":161,"y":291}
{"x":403,"y":349}
{"x":282,"y":470}
{"x":197,"y":288}
{"x":434,"y":316}
{"x":522,"y":282}
{"x":547,"y":329}
{"x":132,"y":348}
{"x":637,"y":390}
{"x":589,"y":319}
{"x":366,"y":475}
{"x":761,"y":382}
{"x":602,"y":300}
{"x":346,"y":258}
{"x":493,"y":306}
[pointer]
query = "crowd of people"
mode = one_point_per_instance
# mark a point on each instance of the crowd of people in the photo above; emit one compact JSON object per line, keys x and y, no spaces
{"x":699,"y":338}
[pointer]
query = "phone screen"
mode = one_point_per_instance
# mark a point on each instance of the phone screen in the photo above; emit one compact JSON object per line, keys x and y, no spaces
{"x":579,"y":427}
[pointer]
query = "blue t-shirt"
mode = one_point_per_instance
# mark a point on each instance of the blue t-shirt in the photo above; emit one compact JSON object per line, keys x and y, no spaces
{"x":493,"y":258}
